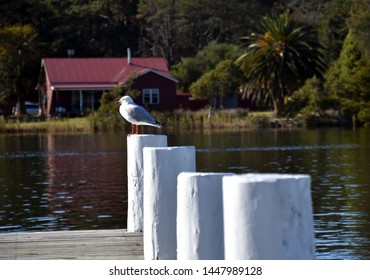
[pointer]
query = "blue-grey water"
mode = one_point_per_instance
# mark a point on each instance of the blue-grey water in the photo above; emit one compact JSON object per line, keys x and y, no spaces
{"x":70,"y":182}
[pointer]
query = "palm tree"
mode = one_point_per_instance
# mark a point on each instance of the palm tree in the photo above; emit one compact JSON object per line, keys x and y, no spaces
{"x":280,"y":56}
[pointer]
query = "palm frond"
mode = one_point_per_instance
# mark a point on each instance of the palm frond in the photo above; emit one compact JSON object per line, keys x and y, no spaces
{"x":279,"y":53}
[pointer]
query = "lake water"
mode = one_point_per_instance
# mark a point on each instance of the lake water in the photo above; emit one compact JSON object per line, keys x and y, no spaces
{"x":69,"y":182}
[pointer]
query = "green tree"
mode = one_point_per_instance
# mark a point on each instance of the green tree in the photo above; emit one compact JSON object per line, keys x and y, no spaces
{"x":359,"y":25}
{"x":201,"y":21}
{"x":91,"y":27}
{"x":348,"y":82}
{"x":158,"y":28}
{"x":107,"y":117}
{"x":17,"y":55}
{"x":225,"y":79}
{"x":182,"y":28}
{"x":308,"y":100}
{"x":190,"y":69}
{"x":280,"y":56}
{"x":333,"y":28}
{"x":327,"y":16}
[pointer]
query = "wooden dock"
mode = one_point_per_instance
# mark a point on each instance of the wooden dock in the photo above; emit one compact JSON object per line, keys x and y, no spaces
{"x":115,"y":244}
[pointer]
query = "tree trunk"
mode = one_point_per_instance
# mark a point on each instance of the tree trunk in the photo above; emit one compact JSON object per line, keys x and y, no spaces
{"x":278,"y":105}
{"x":21,"y":110}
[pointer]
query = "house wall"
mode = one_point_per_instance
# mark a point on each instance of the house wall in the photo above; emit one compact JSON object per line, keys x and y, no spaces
{"x":60,"y":99}
{"x":167,"y":91}
{"x":187,"y":102}
{"x":68,"y":101}
{"x":49,"y":95}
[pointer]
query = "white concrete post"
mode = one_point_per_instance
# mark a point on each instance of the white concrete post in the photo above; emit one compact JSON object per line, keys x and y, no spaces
{"x":200,"y":233}
{"x":268,"y":216}
{"x":135,"y":176}
{"x":161,"y":168}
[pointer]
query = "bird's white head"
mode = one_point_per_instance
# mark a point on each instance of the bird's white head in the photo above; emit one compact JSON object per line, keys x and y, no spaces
{"x":126,"y":99}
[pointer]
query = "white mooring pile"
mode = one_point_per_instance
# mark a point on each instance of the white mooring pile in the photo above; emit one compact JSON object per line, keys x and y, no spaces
{"x":135,"y":177}
{"x":187,"y":215}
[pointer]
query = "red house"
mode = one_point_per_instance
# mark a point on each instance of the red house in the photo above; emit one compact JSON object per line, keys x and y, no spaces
{"x":75,"y":85}
{"x":187,"y":102}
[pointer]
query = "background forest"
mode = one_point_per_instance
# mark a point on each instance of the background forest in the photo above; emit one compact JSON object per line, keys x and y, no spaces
{"x":196,"y":37}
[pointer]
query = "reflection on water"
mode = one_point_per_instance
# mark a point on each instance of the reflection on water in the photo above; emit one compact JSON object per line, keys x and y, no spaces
{"x":278,"y":148}
{"x":55,"y":182}
{"x":65,"y":182}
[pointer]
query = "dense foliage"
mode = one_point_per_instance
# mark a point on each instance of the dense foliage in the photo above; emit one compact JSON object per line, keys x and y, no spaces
{"x":348,"y":82}
{"x":17,"y":58}
{"x":190,"y":69}
{"x":106,"y":118}
{"x":280,"y":55}
{"x":224,"y":79}
{"x":195,"y":36}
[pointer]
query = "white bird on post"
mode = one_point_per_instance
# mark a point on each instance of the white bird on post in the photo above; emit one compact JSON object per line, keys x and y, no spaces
{"x":135,"y":114}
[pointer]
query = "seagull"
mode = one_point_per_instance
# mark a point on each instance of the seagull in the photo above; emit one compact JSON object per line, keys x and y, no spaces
{"x":135,"y":114}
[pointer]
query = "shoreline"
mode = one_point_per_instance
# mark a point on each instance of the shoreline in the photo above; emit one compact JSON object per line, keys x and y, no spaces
{"x":235,"y":119}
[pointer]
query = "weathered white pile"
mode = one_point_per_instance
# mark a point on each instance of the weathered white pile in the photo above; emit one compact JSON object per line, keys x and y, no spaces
{"x":188,"y":215}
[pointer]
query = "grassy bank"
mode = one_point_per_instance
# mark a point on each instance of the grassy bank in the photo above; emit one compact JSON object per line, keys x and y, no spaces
{"x":203,"y":119}
{"x":73,"y":125}
{"x":220,"y":119}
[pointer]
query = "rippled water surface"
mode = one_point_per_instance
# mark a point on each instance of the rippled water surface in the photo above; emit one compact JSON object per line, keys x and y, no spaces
{"x":67,"y":182}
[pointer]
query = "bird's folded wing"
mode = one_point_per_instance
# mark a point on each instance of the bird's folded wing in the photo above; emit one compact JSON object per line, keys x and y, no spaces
{"x":139,"y":114}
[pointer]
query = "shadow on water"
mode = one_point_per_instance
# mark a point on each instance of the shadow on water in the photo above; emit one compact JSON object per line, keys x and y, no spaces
{"x":66,"y":182}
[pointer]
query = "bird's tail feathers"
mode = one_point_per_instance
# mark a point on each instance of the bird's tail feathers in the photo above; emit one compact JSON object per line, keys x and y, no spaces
{"x":159,"y":125}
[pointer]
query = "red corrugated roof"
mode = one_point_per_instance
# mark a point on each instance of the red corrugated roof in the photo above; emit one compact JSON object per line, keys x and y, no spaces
{"x":99,"y":72}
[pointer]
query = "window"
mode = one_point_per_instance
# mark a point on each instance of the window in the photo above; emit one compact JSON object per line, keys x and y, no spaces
{"x":85,"y":100}
{"x":151,"y":96}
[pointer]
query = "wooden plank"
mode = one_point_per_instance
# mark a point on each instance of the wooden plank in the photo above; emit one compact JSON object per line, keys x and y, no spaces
{"x":84,"y":244}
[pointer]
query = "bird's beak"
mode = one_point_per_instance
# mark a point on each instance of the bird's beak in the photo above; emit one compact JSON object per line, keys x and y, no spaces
{"x":117,"y":103}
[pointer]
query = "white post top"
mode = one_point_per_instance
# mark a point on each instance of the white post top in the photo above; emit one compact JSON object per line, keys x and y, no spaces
{"x":190,"y":148}
{"x":266,"y":177}
{"x":204,"y":174}
{"x":145,"y":135}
